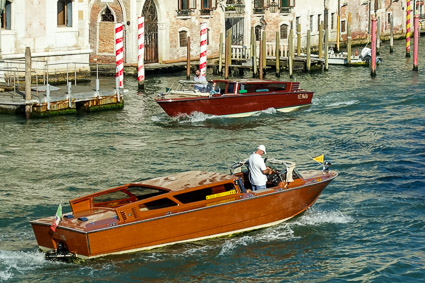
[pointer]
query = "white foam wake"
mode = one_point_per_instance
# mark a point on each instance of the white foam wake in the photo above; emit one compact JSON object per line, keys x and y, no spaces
{"x":14,"y":262}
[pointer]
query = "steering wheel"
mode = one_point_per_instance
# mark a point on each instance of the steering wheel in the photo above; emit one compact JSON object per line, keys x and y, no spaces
{"x":273,"y":178}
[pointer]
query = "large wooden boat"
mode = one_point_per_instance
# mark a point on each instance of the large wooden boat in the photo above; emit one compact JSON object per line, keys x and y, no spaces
{"x":181,"y":207}
{"x":232,"y":98}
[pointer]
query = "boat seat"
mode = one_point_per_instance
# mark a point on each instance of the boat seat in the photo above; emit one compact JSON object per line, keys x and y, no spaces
{"x":262,"y":90}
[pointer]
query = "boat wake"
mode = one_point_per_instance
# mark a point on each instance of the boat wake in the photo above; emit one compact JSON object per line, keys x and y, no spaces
{"x":314,"y":216}
{"x":18,"y":262}
{"x":343,"y":103}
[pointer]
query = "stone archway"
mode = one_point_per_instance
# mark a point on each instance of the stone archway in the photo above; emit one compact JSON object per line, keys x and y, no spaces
{"x":103,"y":17}
{"x":150,"y":14}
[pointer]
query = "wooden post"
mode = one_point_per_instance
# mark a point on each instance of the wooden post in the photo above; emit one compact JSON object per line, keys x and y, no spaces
{"x":264,"y":47}
{"x":326,"y":48}
{"x":188,"y":59}
{"x":349,"y":39}
{"x":337,"y":33}
{"x":254,"y":52}
{"x":220,"y":55}
{"x":277,"y":54}
{"x":260,"y":71}
{"x":28,"y":107}
{"x":378,"y":35}
{"x":226,"y":55}
{"x":416,"y":43}
{"x":229,"y":57}
{"x":291,"y":51}
{"x":299,"y":40}
{"x":308,"y":66}
{"x":373,"y":59}
{"x":321,"y":40}
{"x":391,"y":34}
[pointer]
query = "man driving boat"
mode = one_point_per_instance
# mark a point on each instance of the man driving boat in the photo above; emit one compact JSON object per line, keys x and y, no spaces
{"x":257,"y":169}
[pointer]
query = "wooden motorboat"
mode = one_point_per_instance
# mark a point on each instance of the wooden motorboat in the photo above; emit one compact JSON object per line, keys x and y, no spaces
{"x":181,"y":207}
{"x":234,"y":98}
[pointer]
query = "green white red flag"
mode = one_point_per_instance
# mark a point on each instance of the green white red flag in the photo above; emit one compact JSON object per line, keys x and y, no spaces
{"x":57,"y":219}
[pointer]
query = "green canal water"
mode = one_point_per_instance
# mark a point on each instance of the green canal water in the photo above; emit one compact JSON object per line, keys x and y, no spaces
{"x":367,"y":226}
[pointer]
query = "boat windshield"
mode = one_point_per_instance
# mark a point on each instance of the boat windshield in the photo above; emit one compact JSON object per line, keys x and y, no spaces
{"x":126,"y":194}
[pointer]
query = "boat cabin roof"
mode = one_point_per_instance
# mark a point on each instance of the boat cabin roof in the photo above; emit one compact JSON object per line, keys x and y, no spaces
{"x":185,"y":180}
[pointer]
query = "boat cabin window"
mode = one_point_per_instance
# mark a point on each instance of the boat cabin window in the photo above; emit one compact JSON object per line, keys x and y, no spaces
{"x":251,"y":88}
{"x":220,"y":87}
{"x":144,"y":192}
{"x":202,"y":194}
{"x":157,"y":204}
{"x":110,"y":197}
{"x":231,"y":88}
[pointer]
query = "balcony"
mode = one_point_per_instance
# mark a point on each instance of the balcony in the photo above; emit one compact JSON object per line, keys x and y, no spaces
{"x":286,"y":10}
{"x":184,"y":13}
{"x":259,"y":10}
{"x":205,"y":12}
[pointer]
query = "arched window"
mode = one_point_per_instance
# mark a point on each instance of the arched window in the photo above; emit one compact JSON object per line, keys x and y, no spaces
{"x":64,"y":13}
{"x":107,"y":15}
{"x":258,"y":33}
{"x":283,"y":31}
{"x":183,"y":38}
{"x":6,"y":17}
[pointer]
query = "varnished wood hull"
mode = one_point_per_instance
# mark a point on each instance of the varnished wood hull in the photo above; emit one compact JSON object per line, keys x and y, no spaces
{"x":239,"y":213}
{"x":236,"y":105}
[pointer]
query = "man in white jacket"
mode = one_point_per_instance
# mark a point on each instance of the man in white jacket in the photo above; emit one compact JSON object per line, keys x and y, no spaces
{"x":257,"y":169}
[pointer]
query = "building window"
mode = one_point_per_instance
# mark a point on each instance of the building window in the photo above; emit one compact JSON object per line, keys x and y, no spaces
{"x":65,"y":13}
{"x":283,"y":31}
{"x":389,"y":18}
{"x":258,"y":33}
{"x":332,"y":21}
{"x":208,"y":4}
{"x":318,"y":22}
{"x":107,"y":15}
{"x":258,"y":3}
{"x":187,"y":4}
{"x":6,"y":17}
{"x":183,"y":38}
{"x":342,"y":26}
{"x":287,"y":3}
{"x":311,"y":22}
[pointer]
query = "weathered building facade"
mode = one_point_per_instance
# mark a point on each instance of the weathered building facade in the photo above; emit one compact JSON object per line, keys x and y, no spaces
{"x":83,"y":30}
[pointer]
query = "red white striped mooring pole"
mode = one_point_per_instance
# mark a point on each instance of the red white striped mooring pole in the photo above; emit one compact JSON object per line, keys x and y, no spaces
{"x":373,"y":59}
{"x":203,"y":57}
{"x":141,"y":57}
{"x":408,"y":28}
{"x":119,"y":52}
{"x":416,"y":44}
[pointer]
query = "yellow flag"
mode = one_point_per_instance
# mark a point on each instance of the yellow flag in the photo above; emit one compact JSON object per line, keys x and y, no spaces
{"x":319,"y":158}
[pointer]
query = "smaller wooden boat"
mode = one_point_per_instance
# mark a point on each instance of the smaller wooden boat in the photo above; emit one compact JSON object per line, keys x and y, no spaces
{"x":234,"y":98}
{"x":177,"y":208}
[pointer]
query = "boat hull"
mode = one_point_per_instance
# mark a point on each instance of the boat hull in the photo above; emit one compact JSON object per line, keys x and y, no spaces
{"x":236,"y":105}
{"x":239,"y":213}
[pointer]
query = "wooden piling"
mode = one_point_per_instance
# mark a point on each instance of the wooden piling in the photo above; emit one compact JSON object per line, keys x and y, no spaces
{"x":226,"y":55}
{"x":321,"y":40}
{"x":188,"y":59}
{"x":349,"y":39}
{"x":277,"y":51}
{"x":264,"y":47}
{"x":326,"y":48}
{"x":416,"y":44}
{"x":373,"y":43}
{"x":229,"y":57}
{"x":28,"y":107}
{"x":299,"y":40}
{"x":260,"y":71}
{"x":220,"y":55}
{"x":291,"y":51}
{"x":308,"y":65}
{"x":337,"y":33}
{"x":254,"y":52}
{"x":378,"y":35}
{"x":391,"y":34}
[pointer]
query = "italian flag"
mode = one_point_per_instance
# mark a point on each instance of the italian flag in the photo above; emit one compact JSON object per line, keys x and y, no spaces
{"x":57,"y":219}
